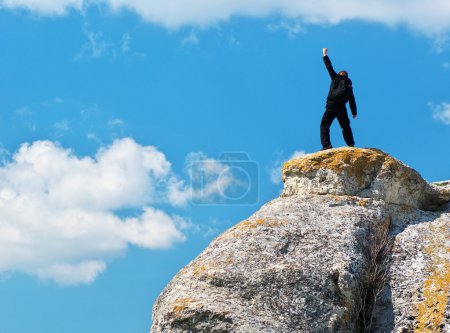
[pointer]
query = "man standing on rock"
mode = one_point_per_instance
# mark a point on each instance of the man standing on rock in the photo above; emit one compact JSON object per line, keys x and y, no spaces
{"x":341,"y":92}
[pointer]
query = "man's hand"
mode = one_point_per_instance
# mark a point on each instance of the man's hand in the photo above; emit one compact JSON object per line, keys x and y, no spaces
{"x":325,"y":51}
{"x":354,"y":116}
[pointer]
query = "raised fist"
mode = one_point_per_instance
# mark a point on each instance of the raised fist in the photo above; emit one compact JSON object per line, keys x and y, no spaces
{"x":325,"y":51}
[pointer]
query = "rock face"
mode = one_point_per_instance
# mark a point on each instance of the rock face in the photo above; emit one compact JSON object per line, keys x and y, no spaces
{"x":358,"y":242}
{"x":368,"y":173}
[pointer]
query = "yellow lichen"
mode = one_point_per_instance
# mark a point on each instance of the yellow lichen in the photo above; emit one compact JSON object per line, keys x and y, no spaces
{"x":431,"y":311}
{"x":363,"y":202}
{"x":182,"y":304}
{"x":247,"y":225}
{"x":198,"y":269}
{"x":271,"y":223}
{"x":436,"y":287}
{"x":351,"y":161}
{"x":203,"y":269}
{"x":250,"y":224}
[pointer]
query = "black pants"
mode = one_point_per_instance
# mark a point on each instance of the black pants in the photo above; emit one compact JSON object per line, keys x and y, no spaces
{"x":328,"y":117}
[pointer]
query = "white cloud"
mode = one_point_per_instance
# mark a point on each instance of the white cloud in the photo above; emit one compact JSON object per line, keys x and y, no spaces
{"x":430,"y":17}
{"x":179,"y":192}
{"x":275,"y":171}
{"x":125,"y":45}
{"x":58,"y":216}
{"x":61,"y":127}
{"x":115,"y":122}
{"x":292,"y":28}
{"x":4,"y":154}
{"x":58,"y":118}
{"x":98,"y":46}
{"x":209,"y":179}
{"x":62,"y":216}
{"x":85,"y":272}
{"x":44,"y":7}
{"x":93,"y":137}
{"x":95,"y":47}
{"x":153,"y":229}
{"x":26,"y":116}
{"x":441,"y":112}
{"x":297,"y":154}
{"x":191,"y":39}
{"x":440,"y":43}
{"x":233,"y":41}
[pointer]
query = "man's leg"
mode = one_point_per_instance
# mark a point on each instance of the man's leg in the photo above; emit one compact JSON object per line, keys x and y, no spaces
{"x":327,"y":119}
{"x":342,"y":117}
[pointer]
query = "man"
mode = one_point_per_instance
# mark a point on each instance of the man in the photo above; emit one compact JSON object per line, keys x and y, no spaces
{"x":340,"y":93}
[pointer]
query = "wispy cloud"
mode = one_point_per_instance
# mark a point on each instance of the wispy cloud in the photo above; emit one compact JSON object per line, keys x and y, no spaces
{"x":275,"y":170}
{"x":47,"y":7}
{"x":233,"y":41}
{"x":60,"y":118}
{"x":116,"y":122}
{"x":61,"y":127}
{"x":293,"y":29}
{"x":440,"y":43}
{"x":4,"y":154}
{"x":208,"y":179}
{"x":26,"y":116}
{"x":441,"y":112}
{"x":96,"y":46}
{"x":191,"y":39}
{"x":429,"y":17}
{"x":125,"y":44}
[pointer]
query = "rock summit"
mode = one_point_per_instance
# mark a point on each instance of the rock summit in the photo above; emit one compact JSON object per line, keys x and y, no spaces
{"x":357,"y":242}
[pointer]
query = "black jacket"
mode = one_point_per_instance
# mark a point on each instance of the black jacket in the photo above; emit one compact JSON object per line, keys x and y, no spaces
{"x":335,"y":79}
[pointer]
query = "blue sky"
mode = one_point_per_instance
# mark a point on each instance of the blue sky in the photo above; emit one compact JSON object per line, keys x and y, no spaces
{"x":133,"y":133}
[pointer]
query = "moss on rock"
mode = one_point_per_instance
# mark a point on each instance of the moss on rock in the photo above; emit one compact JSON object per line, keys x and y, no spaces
{"x":353,"y":162}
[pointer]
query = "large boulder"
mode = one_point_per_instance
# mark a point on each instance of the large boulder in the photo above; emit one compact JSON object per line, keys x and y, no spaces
{"x":358,"y":242}
{"x":417,"y":293}
{"x":368,"y":173}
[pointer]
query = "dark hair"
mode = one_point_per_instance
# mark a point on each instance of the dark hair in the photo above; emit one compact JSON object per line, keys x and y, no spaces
{"x":343,"y":73}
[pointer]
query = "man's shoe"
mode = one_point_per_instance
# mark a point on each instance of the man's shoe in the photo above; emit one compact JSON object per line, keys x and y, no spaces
{"x":326,"y":147}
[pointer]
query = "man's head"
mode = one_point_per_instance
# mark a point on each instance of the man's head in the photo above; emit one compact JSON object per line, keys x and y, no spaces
{"x":343,"y":73}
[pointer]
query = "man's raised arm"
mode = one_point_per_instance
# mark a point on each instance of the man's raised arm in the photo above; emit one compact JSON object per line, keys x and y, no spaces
{"x":328,"y":65}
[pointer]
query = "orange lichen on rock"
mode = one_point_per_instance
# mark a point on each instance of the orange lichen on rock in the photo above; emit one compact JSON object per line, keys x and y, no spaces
{"x":353,"y":162}
{"x":363,"y":202}
{"x":431,"y":311}
{"x":248,"y":225}
{"x":199,"y":270}
{"x":203,"y":269}
{"x":182,"y":304}
{"x":436,"y":288}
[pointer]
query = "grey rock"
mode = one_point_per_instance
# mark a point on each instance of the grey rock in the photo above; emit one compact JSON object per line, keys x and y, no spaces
{"x":420,"y":274}
{"x":348,"y":247}
{"x":360,"y":172}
